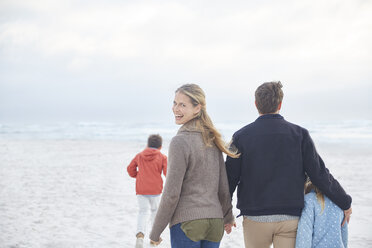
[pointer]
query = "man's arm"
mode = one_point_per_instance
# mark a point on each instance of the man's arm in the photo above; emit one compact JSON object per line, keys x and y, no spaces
{"x":233,"y":170}
{"x":320,"y":176}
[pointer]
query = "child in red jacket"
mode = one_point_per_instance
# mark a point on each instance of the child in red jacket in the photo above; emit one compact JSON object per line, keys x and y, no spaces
{"x":147,"y":167}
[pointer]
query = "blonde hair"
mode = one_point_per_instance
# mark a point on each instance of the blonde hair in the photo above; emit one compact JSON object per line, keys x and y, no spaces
{"x":204,"y":122}
{"x":319,"y":195}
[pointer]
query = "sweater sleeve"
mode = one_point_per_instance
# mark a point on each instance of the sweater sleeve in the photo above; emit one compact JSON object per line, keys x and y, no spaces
{"x":224,"y":194}
{"x":306,"y":224}
{"x":132,"y":168}
{"x":320,"y":176}
{"x":165,"y":162}
{"x":173,"y":185}
{"x":233,"y":170}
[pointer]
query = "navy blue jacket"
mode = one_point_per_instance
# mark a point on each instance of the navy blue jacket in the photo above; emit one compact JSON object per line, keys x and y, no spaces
{"x":270,"y":173}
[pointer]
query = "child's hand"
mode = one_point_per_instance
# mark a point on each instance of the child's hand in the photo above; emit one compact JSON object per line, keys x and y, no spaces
{"x":155,"y":243}
{"x":228,"y":227}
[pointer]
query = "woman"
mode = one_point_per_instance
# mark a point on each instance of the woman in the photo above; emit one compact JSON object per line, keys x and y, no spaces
{"x":196,"y":202}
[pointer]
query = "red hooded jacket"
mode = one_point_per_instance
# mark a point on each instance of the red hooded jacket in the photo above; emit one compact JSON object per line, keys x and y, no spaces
{"x":146,"y":167}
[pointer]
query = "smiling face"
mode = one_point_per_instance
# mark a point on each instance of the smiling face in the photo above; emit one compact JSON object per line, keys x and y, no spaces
{"x":183,"y":108}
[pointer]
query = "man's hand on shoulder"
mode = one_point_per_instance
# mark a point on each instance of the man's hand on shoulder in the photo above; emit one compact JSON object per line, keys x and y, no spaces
{"x":347,"y":215}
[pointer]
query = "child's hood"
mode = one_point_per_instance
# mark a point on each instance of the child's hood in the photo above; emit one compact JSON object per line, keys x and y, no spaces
{"x":150,"y":154}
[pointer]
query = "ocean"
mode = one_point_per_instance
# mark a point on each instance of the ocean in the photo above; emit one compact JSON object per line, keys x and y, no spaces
{"x":355,"y":131}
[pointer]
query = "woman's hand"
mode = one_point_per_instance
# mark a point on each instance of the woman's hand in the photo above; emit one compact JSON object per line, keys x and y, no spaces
{"x":155,"y":243}
{"x":228,"y":227}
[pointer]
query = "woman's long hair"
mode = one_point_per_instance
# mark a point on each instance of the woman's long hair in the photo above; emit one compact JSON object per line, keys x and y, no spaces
{"x":209,"y":132}
{"x":319,"y":195}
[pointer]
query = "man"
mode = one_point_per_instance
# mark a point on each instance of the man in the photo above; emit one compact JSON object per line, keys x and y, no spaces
{"x":276,"y":157}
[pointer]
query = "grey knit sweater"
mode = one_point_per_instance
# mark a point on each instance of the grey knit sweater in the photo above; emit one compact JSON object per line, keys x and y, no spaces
{"x":196,"y":185}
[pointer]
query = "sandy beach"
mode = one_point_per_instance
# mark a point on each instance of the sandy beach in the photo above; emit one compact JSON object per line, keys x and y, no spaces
{"x":76,"y":193}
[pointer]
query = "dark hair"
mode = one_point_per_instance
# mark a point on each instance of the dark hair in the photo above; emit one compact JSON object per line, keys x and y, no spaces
{"x":154,"y":141}
{"x":268,"y":97}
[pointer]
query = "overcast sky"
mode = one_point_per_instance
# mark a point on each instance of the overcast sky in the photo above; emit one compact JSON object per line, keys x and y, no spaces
{"x":122,"y":60}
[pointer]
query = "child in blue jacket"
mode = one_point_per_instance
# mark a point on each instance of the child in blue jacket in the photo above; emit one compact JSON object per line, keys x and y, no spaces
{"x":320,"y":222}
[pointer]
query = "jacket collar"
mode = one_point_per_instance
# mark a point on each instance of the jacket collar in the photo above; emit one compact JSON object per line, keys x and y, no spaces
{"x":191,"y":126}
{"x":270,"y":116}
